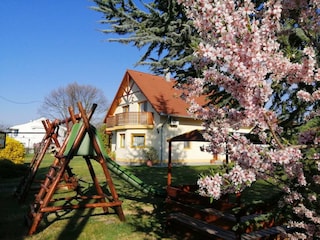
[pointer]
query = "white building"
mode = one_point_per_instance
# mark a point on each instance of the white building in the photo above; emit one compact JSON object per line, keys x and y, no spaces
{"x":31,"y":133}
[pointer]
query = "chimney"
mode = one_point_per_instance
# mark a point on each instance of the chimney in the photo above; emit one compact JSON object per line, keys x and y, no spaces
{"x":167,"y":76}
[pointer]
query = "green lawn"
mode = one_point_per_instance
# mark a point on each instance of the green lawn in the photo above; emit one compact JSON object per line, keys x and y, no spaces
{"x":145,"y":215}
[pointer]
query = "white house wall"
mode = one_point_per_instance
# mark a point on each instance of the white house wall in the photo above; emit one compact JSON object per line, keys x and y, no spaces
{"x":180,"y":155}
{"x":131,"y":155}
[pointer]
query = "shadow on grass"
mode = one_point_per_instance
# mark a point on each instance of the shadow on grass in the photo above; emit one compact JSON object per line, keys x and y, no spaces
{"x":75,"y":224}
{"x":147,"y":212}
{"x":11,"y":214}
{"x":76,"y":220}
{"x":9,"y":170}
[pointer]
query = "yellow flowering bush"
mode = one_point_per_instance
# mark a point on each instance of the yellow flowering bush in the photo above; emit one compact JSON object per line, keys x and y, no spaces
{"x":14,"y":151}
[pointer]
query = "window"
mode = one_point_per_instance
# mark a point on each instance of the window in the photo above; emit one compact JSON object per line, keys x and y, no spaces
{"x":15,"y":132}
{"x":138,"y":140}
{"x":122,"y":140}
{"x":186,"y":145}
{"x":143,"y":106}
{"x":125,"y":108}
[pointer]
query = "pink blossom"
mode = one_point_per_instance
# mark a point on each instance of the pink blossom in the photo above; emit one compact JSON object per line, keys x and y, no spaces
{"x":316,"y":179}
{"x":304,"y":96}
{"x":312,"y":197}
{"x":242,"y":56}
{"x":210,"y":186}
{"x":316,"y":95}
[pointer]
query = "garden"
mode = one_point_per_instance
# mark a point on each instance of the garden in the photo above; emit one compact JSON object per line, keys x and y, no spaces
{"x":257,"y":62}
{"x":145,"y":214}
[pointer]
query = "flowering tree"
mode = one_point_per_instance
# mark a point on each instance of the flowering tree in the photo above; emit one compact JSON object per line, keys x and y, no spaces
{"x":240,"y":53}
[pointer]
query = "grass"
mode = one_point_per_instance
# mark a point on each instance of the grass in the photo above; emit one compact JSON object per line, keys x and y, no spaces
{"x":145,"y":215}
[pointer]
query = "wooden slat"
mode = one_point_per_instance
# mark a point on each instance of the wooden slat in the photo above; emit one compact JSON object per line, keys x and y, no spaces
{"x":176,"y":205}
{"x":213,"y":211}
{"x":202,"y":227}
{"x":268,"y":232}
{"x":216,"y":231}
{"x":223,"y":220}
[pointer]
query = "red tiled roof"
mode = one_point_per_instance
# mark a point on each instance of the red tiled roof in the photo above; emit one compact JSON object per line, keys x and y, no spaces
{"x":159,"y":92}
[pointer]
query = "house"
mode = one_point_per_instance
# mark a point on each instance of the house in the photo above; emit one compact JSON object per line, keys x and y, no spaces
{"x":147,"y":111}
{"x":31,"y":133}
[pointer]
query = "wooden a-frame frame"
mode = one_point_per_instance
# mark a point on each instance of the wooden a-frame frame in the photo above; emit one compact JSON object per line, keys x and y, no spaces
{"x":50,"y":139}
{"x":43,"y":202}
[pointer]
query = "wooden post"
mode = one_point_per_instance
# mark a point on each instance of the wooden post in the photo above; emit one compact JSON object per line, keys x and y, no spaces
{"x":169,"y":165}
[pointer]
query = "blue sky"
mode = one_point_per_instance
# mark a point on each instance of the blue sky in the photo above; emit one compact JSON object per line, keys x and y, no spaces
{"x":45,"y":45}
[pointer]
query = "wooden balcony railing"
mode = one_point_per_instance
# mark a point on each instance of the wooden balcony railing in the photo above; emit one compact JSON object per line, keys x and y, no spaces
{"x":130,"y":118}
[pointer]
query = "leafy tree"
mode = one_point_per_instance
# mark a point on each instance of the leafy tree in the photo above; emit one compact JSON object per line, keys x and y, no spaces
{"x":57,"y":103}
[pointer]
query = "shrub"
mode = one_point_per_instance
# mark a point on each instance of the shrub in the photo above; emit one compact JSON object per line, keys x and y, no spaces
{"x":111,"y":154}
{"x":14,"y":151}
{"x":150,"y":153}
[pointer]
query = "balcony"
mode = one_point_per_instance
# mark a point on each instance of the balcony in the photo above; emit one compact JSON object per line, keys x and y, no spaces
{"x":130,"y":120}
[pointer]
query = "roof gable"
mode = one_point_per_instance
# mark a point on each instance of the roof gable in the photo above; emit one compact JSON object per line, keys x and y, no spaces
{"x":160,"y":93}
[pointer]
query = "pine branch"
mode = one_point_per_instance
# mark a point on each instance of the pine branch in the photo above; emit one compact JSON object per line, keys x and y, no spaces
{"x":160,"y":26}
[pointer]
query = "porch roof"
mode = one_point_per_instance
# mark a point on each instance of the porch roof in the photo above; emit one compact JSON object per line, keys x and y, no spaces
{"x":194,"y":136}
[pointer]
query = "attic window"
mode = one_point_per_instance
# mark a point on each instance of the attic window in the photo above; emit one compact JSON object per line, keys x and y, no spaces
{"x":138,"y":140}
{"x":125,"y":108}
{"x":143,"y":106}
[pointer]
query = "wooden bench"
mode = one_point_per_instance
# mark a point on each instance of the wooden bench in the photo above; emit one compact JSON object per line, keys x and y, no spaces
{"x":221,"y":219}
{"x":210,"y":215}
{"x":201,"y":227}
{"x":212,"y":231}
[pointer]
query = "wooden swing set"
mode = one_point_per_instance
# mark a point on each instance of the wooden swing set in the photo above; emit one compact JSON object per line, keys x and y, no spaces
{"x":81,"y":140}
